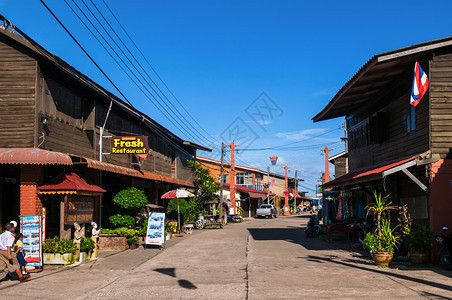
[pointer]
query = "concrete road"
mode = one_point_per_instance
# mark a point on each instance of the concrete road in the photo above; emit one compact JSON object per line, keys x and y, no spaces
{"x":258,"y":259}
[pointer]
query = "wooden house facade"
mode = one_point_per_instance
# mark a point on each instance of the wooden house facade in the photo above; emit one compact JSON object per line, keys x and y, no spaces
{"x":52,"y":119}
{"x":393,"y":146}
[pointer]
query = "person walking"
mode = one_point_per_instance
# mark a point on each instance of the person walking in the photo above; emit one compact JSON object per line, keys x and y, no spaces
{"x":19,"y":251}
{"x":7,"y":259}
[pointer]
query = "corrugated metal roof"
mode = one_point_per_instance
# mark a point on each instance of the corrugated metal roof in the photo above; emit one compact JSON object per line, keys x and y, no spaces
{"x":33,"y":156}
{"x":71,"y":182}
{"x":375,"y":75}
{"x":95,"y":164}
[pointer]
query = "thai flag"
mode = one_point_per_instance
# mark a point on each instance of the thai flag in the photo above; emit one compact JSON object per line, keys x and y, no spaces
{"x":420,"y":85}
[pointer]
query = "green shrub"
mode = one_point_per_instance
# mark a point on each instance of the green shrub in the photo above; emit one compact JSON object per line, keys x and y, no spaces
{"x":86,"y":244}
{"x":130,"y":198}
{"x":57,"y":245}
{"x":419,"y":240}
{"x":122,"y":220}
{"x":133,"y":240}
{"x":120,"y":231}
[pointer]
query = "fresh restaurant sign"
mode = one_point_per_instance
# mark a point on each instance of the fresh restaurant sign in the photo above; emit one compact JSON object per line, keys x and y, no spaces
{"x":130,"y":145}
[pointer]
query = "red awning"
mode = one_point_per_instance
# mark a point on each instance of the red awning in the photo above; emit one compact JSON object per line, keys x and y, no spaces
{"x":95,"y":164}
{"x":354,"y":176}
{"x":252,"y":192}
{"x":70,"y":183}
{"x":33,"y":156}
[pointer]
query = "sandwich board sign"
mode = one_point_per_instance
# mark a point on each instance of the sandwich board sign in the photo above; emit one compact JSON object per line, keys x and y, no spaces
{"x":155,"y":234}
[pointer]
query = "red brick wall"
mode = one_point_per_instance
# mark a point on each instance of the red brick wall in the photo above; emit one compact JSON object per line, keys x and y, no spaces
{"x":30,"y":179}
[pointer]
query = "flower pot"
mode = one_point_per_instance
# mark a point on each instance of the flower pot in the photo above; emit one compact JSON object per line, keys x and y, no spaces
{"x":419,"y":259}
{"x":58,"y":259}
{"x":84,"y":256}
{"x":382,"y":259}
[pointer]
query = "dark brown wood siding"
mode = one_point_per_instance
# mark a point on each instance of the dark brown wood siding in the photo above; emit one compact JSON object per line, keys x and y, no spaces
{"x":398,"y":142}
{"x":17,"y":96}
{"x":441,"y":104}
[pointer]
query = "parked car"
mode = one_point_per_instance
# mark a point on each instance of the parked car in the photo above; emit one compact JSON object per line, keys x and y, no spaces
{"x":266,"y":210}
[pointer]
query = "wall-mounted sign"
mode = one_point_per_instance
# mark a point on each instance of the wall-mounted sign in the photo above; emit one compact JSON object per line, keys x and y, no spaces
{"x":78,"y":209}
{"x":130,"y":145}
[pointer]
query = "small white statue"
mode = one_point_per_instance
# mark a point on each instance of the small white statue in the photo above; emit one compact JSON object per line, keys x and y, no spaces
{"x":95,"y":232}
{"x":77,"y":233}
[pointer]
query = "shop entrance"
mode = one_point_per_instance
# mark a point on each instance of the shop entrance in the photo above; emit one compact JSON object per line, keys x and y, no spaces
{"x":9,"y":195}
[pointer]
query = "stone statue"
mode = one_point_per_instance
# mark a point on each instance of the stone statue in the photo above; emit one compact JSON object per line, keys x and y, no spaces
{"x":94,"y":235}
{"x":95,"y":232}
{"x":77,"y":239}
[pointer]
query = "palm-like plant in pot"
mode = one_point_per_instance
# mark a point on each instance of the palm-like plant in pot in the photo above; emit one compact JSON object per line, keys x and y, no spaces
{"x":383,"y":241}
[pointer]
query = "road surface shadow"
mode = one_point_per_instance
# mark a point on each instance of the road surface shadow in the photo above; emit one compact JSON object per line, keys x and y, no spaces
{"x":182,"y":282}
{"x":320,"y":259}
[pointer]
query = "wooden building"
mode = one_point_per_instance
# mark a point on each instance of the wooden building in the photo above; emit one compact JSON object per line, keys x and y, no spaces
{"x":52,"y":118}
{"x":393,"y":146}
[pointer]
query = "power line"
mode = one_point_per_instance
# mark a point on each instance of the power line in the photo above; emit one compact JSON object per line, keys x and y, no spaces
{"x":152,"y":68}
{"x":168,"y":115}
{"x":149,"y":123}
{"x":195,"y":131}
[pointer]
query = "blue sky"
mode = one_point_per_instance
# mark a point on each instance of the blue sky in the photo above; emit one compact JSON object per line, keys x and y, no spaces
{"x":218,"y":57}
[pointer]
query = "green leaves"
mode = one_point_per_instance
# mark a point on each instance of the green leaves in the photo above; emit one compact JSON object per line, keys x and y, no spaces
{"x":57,"y":245}
{"x":86,"y":244}
{"x":122,"y":220}
{"x":386,"y":242}
{"x":205,"y":186}
{"x":419,"y":240}
{"x":131,"y":198}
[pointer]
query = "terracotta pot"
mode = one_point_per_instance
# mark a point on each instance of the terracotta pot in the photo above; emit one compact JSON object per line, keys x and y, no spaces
{"x":419,"y":259}
{"x":383,"y":258}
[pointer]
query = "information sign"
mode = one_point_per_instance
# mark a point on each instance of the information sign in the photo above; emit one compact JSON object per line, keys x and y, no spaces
{"x":30,"y":226}
{"x":156,"y":229}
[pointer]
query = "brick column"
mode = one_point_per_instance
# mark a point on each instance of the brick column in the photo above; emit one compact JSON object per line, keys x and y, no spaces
{"x":30,"y":179}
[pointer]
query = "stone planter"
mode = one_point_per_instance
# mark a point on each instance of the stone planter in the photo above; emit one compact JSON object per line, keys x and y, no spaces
{"x":112,"y":242}
{"x":419,"y":259}
{"x":58,"y":259}
{"x":382,"y":259}
{"x":84,"y":256}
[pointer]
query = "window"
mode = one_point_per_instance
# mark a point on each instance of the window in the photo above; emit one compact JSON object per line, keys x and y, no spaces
{"x":411,"y":118}
{"x":225,"y":178}
{"x":417,"y":207}
{"x":245,"y":179}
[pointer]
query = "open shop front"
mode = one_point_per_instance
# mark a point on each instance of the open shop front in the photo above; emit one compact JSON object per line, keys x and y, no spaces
{"x":344,"y":206}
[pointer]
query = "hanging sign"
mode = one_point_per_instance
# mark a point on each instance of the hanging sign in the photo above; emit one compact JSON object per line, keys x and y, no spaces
{"x":30,"y":227}
{"x":155,"y":234}
{"x":130,"y":145}
{"x":78,"y":209}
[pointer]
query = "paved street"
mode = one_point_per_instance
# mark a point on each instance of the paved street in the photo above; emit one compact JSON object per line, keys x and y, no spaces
{"x":258,"y":259}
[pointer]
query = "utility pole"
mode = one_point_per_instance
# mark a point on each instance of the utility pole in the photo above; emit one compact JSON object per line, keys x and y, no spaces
{"x":327,"y":166}
{"x":296,"y":193}
{"x":286,"y":195}
{"x":233,"y":208}
{"x":268,"y":185}
{"x":221,"y":183}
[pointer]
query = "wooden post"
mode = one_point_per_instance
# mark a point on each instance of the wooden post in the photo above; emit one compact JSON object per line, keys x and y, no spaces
{"x":286,"y":195}
{"x":233,"y":208}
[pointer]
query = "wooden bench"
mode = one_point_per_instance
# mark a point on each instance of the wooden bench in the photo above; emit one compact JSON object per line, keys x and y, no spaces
{"x":341,"y":228}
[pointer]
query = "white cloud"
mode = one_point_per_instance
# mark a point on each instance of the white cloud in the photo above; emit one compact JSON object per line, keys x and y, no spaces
{"x":303,"y":134}
{"x":264,"y":122}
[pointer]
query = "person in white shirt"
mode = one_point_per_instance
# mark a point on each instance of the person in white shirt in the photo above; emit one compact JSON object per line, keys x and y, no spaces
{"x":7,"y":260}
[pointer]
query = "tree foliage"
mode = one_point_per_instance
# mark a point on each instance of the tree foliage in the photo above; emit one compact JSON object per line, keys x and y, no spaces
{"x":205,"y":186}
{"x":131,"y":198}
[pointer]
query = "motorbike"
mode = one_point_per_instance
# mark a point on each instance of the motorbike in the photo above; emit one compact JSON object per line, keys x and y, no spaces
{"x":445,"y":249}
{"x":313,"y":227}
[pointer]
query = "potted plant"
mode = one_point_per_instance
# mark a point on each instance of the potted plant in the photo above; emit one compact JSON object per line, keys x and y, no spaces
{"x":59,"y":251}
{"x":419,"y":243}
{"x":133,"y":242}
{"x":382,"y":246}
{"x":381,"y":243}
{"x":86,"y":247}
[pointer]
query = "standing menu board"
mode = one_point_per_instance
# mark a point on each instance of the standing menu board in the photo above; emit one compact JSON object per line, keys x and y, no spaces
{"x":156,"y":229}
{"x":30,"y":226}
